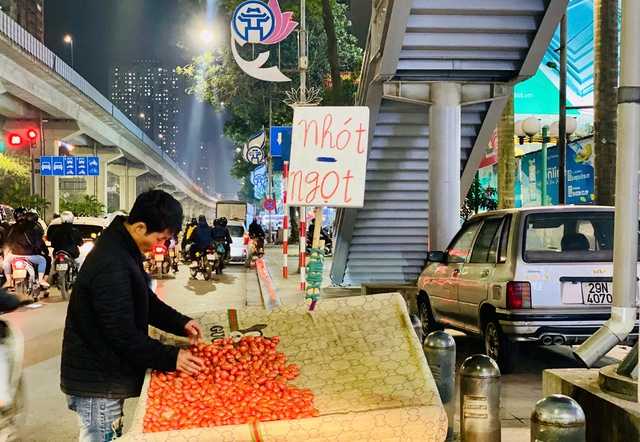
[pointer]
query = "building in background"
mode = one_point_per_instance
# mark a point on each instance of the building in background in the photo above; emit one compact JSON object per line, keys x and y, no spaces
{"x":147,"y":93}
{"x":28,"y":13}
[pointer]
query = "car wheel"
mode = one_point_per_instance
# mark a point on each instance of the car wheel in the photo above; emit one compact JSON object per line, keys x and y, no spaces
{"x":499,"y":348}
{"x":425,"y":314}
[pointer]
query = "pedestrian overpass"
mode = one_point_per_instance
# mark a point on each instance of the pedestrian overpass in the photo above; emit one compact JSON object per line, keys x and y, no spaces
{"x":436,"y":77}
{"x":38,"y":88}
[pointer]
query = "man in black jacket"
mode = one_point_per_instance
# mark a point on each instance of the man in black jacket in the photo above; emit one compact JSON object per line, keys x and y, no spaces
{"x":106,"y":347}
{"x":67,"y":238}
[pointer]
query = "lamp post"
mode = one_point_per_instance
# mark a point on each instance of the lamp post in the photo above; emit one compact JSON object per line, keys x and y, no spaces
{"x":69,"y":40}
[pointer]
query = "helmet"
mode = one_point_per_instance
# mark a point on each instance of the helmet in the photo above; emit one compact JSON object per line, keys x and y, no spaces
{"x":3,"y":214}
{"x":66,"y":217}
{"x":223,"y":221}
{"x":216,"y":222}
{"x":19,"y":213}
{"x":194,"y":221}
{"x":202,"y":218}
{"x":32,"y":217}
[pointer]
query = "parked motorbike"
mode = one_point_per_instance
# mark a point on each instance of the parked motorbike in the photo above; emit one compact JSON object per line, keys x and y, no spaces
{"x":25,"y":278}
{"x":65,"y":272}
{"x":12,"y":396}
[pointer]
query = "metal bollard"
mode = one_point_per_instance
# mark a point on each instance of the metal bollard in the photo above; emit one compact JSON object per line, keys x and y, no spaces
{"x":417,"y":326}
{"x":440,"y":351}
{"x":479,"y":400}
{"x":558,"y":418}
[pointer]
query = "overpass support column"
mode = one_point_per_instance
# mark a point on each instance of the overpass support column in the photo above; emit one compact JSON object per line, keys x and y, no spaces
{"x":128,"y":189}
{"x":444,"y":164}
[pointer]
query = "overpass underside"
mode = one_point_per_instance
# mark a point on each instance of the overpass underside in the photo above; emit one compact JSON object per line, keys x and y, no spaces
{"x":436,"y":77}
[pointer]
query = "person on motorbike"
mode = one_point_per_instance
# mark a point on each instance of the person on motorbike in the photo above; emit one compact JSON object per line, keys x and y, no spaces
{"x":201,"y":238}
{"x":221,"y":233}
{"x":323,"y":233}
{"x":256,"y":231}
{"x":68,"y":238}
{"x":25,"y":241}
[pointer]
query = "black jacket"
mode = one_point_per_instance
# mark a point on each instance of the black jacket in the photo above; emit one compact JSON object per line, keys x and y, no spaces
{"x":67,"y":238}
{"x":202,"y":235}
{"x":26,"y":240}
{"x":221,"y":233}
{"x":255,"y":230}
{"x":106,"y":347}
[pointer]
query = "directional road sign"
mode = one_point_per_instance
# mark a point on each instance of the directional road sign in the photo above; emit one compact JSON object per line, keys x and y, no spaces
{"x":69,"y":166}
{"x":280,"y":139}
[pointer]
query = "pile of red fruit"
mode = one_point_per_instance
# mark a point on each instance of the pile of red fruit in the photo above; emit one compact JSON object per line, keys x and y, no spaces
{"x":240,"y":382}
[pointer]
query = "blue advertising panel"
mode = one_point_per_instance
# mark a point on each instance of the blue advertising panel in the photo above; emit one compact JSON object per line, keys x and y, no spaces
{"x":580,"y":173}
{"x":531,"y":178}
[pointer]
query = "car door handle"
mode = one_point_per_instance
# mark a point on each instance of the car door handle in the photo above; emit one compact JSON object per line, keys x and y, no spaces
{"x":484,"y":273}
{"x":455,"y":273}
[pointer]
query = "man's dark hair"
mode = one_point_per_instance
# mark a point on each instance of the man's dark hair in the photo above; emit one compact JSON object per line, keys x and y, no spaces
{"x":158,"y":210}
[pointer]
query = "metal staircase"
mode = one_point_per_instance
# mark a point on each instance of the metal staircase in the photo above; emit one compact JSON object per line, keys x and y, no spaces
{"x":487,"y":45}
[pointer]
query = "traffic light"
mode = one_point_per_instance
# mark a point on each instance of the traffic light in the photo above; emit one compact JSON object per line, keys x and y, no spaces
{"x":17,"y":139}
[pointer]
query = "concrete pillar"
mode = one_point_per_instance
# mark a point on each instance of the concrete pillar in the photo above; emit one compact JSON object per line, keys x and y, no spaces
{"x":128,"y":189}
{"x":444,"y":164}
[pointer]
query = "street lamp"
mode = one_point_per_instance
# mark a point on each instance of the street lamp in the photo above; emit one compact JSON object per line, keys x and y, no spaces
{"x":68,"y":40}
{"x":206,"y":36}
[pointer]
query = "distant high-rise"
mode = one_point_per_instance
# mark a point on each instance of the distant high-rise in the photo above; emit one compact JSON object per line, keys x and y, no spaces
{"x":28,"y":13}
{"x":147,"y":93}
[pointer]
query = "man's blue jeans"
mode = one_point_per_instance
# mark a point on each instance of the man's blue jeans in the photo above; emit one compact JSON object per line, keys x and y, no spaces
{"x":99,"y":419}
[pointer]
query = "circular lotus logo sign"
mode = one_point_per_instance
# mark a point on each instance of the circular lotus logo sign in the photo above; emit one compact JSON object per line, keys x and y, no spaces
{"x":256,"y":22}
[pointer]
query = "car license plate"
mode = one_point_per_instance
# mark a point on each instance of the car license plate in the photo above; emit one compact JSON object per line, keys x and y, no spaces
{"x":22,"y":273}
{"x":62,"y":266}
{"x":211,"y":256}
{"x":597,"y":292}
{"x":159,"y":257}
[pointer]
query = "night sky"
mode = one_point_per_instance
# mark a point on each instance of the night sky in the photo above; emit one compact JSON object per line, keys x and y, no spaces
{"x":111,"y":32}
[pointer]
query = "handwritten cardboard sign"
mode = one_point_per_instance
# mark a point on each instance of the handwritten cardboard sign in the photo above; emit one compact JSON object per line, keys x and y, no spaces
{"x":328,"y":156}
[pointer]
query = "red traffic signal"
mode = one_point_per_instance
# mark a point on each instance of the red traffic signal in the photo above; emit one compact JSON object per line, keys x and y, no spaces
{"x":32,"y":134}
{"x":15,"y":140}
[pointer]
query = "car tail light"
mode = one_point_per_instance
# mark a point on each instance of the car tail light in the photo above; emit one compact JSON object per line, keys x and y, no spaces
{"x":159,"y":250}
{"x":246,"y":239}
{"x":518,"y":295}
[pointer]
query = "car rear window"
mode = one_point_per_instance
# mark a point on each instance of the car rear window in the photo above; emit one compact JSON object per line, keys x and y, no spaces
{"x":569,"y":237}
{"x":236,"y":231}
{"x":86,"y":230}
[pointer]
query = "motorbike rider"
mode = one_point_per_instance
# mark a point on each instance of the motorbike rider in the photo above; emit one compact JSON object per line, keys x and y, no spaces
{"x":201,"y":237}
{"x":25,"y":241}
{"x":323,"y":233}
{"x":221,"y":233}
{"x":68,"y":238}
{"x":256,"y":231}
{"x":185,"y":244}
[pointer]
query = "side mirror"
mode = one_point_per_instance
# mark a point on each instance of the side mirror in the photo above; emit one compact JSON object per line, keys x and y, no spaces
{"x":435,"y":257}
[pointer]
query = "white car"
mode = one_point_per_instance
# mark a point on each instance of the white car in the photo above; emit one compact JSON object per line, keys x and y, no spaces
{"x":240,"y":238}
{"x":89,"y":227}
{"x":540,"y":274}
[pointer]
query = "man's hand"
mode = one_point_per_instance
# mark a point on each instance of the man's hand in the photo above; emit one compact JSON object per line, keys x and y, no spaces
{"x":188,"y":363}
{"x":193,"y":331}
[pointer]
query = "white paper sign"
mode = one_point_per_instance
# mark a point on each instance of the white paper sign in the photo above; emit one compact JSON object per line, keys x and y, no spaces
{"x":328,"y":156}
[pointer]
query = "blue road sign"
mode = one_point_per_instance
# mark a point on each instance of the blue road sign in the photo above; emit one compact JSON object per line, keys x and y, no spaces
{"x":69,"y":166}
{"x":46,"y":168}
{"x":280,"y":139}
{"x":58,"y":166}
{"x":94,"y":166}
